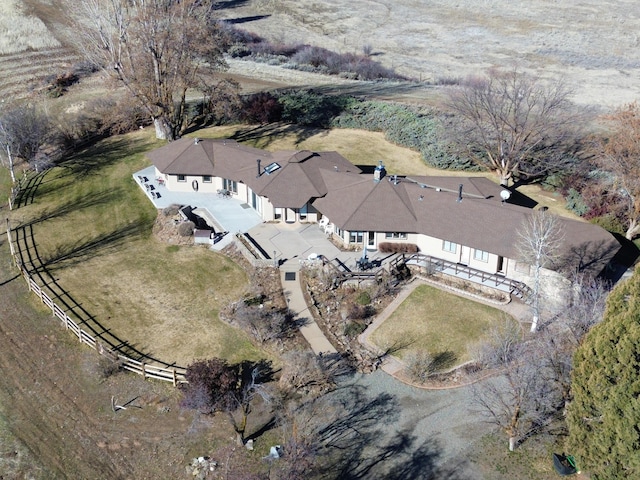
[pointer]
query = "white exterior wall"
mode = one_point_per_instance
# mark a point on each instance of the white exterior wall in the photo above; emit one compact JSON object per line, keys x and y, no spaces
{"x":172,"y":183}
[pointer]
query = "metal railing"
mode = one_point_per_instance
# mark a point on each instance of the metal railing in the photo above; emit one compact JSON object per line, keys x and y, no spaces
{"x":434,"y":264}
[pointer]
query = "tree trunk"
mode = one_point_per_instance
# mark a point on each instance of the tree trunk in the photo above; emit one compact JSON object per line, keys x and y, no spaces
{"x":504,"y":175}
{"x":163,"y":129}
{"x":10,"y":157}
{"x":534,"y":322}
{"x":239,"y":427}
{"x":633,"y":230}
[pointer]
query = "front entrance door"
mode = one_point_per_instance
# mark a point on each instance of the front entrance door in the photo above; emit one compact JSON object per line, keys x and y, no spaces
{"x":290,"y":215}
{"x":465,"y":254}
{"x":371,"y":239}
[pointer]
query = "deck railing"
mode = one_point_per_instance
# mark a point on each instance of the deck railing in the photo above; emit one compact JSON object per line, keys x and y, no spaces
{"x":434,"y":264}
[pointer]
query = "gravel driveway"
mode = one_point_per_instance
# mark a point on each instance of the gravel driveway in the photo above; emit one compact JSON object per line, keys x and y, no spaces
{"x":413,"y":433}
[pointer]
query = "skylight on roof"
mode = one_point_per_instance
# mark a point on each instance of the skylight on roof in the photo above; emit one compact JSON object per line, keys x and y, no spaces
{"x":272,"y":167}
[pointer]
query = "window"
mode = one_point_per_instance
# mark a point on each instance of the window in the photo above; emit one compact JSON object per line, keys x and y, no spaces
{"x":182,"y":178}
{"x":448,"y":246}
{"x":355,"y":237}
{"x":399,"y":235}
{"x":206,"y":179}
{"x":230,"y":185}
{"x":481,"y":255}
{"x":272,"y":167}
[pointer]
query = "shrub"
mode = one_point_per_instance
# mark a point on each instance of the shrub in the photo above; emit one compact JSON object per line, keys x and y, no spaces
{"x":172,"y":210}
{"x":261,"y":107}
{"x":610,"y":223}
{"x":84,"y":68}
{"x":185,"y":229}
{"x":357,"y":311}
{"x":58,"y":84}
{"x":353,"y":329}
{"x":363,"y":298}
{"x":418,"y":365}
{"x":576,"y":203}
{"x":390,"y":247}
{"x":108,"y":366}
{"x":264,"y":324}
{"x":305,"y":107}
{"x":422,"y":130}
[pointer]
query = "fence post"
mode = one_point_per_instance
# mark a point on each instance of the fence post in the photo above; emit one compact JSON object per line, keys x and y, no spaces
{"x":175,"y":380}
{"x":13,"y":252}
{"x":144,"y":373}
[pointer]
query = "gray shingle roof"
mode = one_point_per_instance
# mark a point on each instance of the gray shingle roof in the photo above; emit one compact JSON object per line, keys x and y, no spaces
{"x":353,"y":201}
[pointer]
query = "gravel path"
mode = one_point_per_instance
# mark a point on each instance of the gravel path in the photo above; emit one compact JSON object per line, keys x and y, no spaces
{"x":439,"y":426}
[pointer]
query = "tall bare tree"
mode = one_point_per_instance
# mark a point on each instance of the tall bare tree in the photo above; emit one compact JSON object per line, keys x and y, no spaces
{"x":156,"y":49}
{"x":619,"y":154}
{"x":521,"y":399}
{"x":515,"y":124}
{"x":538,"y":245}
{"x":23,"y":131}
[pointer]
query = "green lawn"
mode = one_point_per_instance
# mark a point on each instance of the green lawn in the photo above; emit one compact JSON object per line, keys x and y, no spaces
{"x":93,"y":226}
{"x":438,"y":322}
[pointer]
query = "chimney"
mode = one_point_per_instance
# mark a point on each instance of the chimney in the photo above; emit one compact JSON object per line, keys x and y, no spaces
{"x":258,"y":160}
{"x":459,"y":193}
{"x":379,"y":172}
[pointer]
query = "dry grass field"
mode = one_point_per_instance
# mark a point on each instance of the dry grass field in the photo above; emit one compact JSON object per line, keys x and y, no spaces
{"x":20,"y":32}
{"x":32,"y":45}
{"x":591,"y":44}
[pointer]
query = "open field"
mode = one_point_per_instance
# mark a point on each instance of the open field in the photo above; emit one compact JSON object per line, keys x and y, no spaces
{"x":20,"y":32}
{"x":437,"y":322}
{"x":591,"y":44}
{"x":32,"y":45}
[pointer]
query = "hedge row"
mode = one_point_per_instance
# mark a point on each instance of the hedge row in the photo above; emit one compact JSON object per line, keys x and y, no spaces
{"x":391,"y":247}
{"x":418,"y":129}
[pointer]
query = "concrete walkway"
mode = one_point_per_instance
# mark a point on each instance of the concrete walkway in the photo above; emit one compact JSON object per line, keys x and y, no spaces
{"x":292,"y":289}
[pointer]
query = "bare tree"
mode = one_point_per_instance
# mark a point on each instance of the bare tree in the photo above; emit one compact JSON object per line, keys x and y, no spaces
{"x":214,"y":385}
{"x":514,"y":124}
{"x":305,"y":372}
{"x":586,"y":307}
{"x":538,"y":245}
{"x":23,"y":131}
{"x":500,"y":343}
{"x":619,"y":154}
{"x":156,"y":49}
{"x":264,"y":324}
{"x":517,"y":402}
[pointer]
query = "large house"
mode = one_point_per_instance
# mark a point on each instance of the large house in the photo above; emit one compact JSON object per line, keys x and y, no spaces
{"x":471,"y":221}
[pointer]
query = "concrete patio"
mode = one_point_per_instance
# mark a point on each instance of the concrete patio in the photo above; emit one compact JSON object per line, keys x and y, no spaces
{"x":226,"y":213}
